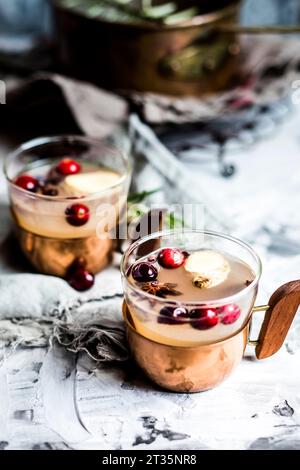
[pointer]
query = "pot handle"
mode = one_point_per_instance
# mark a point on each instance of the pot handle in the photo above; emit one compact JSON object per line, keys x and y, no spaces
{"x":233,"y":28}
{"x":279,"y":315}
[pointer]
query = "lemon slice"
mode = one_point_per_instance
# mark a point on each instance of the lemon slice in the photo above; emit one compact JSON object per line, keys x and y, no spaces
{"x":209,"y":268}
{"x":93,"y":182}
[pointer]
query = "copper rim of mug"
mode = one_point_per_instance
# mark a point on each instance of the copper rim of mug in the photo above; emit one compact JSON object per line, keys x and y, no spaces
{"x":68,"y":139}
{"x":192,"y":304}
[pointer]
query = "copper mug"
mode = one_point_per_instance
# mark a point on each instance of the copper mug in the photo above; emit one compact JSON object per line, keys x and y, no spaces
{"x":202,"y":366}
{"x":47,"y":240}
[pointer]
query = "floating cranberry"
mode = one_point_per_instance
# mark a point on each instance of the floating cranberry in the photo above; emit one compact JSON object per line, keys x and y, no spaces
{"x":80,"y":279}
{"x":50,"y":191}
{"x":171,"y":258}
{"x":204,"y":318}
{"x":27,"y":182}
{"x":67,"y":166}
{"x":53,"y":181}
{"x":172,"y":315}
{"x":229,"y":314}
{"x":53,"y":178}
{"x":144,"y":272}
{"x":77,"y":215}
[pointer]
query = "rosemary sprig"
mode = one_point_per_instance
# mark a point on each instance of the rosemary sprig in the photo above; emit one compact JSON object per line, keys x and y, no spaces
{"x":132,"y":10}
{"x":173,"y":222}
{"x":137,"y":208}
{"x":159,"y":11}
{"x":137,"y":198}
{"x":180,"y":16}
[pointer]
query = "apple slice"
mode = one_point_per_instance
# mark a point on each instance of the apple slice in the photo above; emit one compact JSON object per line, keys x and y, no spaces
{"x":209,"y":268}
{"x":93,"y":182}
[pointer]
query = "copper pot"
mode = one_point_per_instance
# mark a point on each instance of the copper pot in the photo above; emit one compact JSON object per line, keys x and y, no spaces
{"x":191,"y":58}
{"x":195,"y":369}
{"x":196,"y":57}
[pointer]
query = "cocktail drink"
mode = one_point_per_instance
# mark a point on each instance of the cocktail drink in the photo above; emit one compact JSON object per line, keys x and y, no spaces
{"x":189,"y":288}
{"x":68,"y":196}
{"x":188,"y":303}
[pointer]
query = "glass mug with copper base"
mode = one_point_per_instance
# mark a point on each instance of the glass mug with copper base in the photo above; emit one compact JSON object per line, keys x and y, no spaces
{"x":67,"y":194}
{"x":189,"y":334}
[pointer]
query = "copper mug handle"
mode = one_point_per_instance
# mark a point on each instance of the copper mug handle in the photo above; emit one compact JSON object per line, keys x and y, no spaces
{"x":280,"y":312}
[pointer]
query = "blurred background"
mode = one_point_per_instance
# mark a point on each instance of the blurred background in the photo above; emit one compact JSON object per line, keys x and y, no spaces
{"x":240,"y":82}
{"x":29,"y":24}
{"x":24,"y":22}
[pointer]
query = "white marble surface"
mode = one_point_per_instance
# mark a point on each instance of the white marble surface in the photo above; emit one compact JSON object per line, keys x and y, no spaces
{"x":48,"y":400}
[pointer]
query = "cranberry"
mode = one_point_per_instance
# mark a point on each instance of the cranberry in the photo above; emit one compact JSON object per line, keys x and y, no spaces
{"x":53,"y":177}
{"x":79,"y":262}
{"x":67,"y":166}
{"x":144,"y":272}
{"x":53,"y":181}
{"x":27,"y":182}
{"x":47,"y":191}
{"x":204,"y":318}
{"x":171,"y":258}
{"x":172,"y":315}
{"x":229,"y":314}
{"x":80,"y":279}
{"x":77,"y":215}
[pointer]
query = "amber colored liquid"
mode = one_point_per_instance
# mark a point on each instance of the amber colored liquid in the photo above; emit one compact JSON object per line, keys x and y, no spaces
{"x":239,"y":276}
{"x":46,"y":237}
{"x":145,"y":314}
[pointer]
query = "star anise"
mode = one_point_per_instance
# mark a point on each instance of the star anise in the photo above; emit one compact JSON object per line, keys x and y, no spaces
{"x":160,"y":289}
{"x":201,"y":282}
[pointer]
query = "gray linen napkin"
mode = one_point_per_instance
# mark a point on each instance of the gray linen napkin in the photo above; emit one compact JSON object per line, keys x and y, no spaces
{"x":35,"y":308}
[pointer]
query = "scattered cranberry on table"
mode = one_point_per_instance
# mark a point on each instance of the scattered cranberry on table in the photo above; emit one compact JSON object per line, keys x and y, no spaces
{"x":81,"y":279}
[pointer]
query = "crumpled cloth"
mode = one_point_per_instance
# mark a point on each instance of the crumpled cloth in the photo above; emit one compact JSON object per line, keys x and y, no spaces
{"x":267,"y":67}
{"x":51,"y":104}
{"x":46,"y":308}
